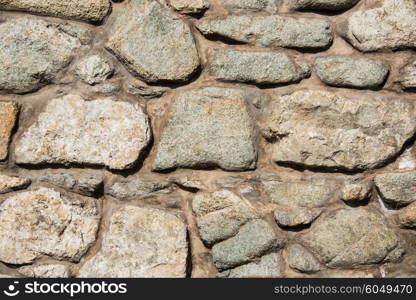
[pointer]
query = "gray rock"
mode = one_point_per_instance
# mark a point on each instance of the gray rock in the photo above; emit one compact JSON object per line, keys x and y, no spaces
{"x":52,"y":270}
{"x":141,"y":243}
{"x":137,"y":88}
{"x":302,"y":260}
{"x":390,"y":26}
{"x":94,"y":69}
{"x":357,"y":191}
{"x":208,"y":127}
{"x":190,"y":6}
{"x":255,"y":67}
{"x":106,"y":88}
{"x":296,"y":216}
{"x":99,"y":132}
{"x":8,"y":117}
{"x":407,"y":216}
{"x":270,"y":31}
{"x":44,"y":222}
{"x":32,"y":52}
{"x":12,"y":183}
{"x":85,"y":10}
{"x":312,"y":128}
{"x":408,"y":76}
{"x":324,"y":4}
{"x":76,"y":30}
{"x":355,"y":72}
{"x":397,"y":188}
{"x":139,"y":188}
{"x":154,"y":43}
{"x":251,"y":5}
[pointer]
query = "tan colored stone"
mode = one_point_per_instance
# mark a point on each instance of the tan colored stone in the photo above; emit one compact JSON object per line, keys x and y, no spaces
{"x":12,"y":183}
{"x":8,"y":116}
{"x":407,"y":216}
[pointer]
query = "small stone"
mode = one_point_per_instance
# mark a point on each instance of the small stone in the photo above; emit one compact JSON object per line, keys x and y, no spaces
{"x":141,"y":243}
{"x":353,"y":72}
{"x":408,"y":76}
{"x":84,"y":34}
{"x":397,"y":188}
{"x":220,"y":214}
{"x":106,"y":88}
{"x":251,"y":5}
{"x":407,"y":216}
{"x":296,"y":216}
{"x":12,"y":183}
{"x":46,"y":271}
{"x":357,"y":191}
{"x":74,"y":131}
{"x":190,"y":6}
{"x":208,"y":127}
{"x":324,"y":4}
{"x":44,"y":222}
{"x":302,"y":260}
{"x":137,"y":88}
{"x":94,"y":69}
{"x":189,"y":182}
{"x":255,"y":67}
{"x":8,"y":118}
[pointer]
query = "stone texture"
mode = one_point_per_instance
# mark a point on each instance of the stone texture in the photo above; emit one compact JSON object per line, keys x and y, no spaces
{"x":137,"y":88}
{"x":190,"y":6}
{"x":390,"y":26}
{"x":139,"y":188}
{"x":313,"y":128}
{"x":220,"y":214}
{"x":32,"y":52}
{"x":324,"y":4}
{"x":350,"y":237}
{"x":357,"y":191}
{"x":44,"y":222}
{"x":12,"y":183}
{"x":299,"y":216}
{"x":407,"y":216}
{"x":141,"y":243}
{"x":208,"y":127}
{"x":353,"y":72}
{"x":94,"y":69}
{"x":85,"y":10}
{"x":154,"y":43}
{"x":408,"y":76}
{"x":100,"y":132}
{"x":46,"y":271}
{"x":302,"y":260}
{"x":397,"y":188}
{"x":256,"y":67}
{"x":77,"y":30}
{"x":270,"y":31}
{"x":250,"y":5}
{"x":8,"y":118}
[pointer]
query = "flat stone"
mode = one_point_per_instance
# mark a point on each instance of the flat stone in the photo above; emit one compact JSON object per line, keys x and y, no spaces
{"x":73,"y":131}
{"x":190,"y":6}
{"x":350,"y":237}
{"x":324,"y":4}
{"x":12,"y":183}
{"x":313,"y":128}
{"x":44,"y":222}
{"x":408,"y":76}
{"x":256,"y":67}
{"x":397,"y":188}
{"x":250,"y":5}
{"x":271,"y":31}
{"x":220,"y":214}
{"x":154,"y":43}
{"x":85,"y":10}
{"x":141,"y":243}
{"x":407,"y":216}
{"x":32,"y":52}
{"x":353,"y":72}
{"x":299,"y":216}
{"x":46,"y":271}
{"x":392,"y":25}
{"x":357,"y":191}
{"x":302,"y":260}
{"x":208,"y":127}
{"x":94,"y":69}
{"x":137,"y":88}
{"x":8,"y":118}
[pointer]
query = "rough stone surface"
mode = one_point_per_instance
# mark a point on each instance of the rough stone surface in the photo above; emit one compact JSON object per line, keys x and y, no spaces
{"x":32,"y":52}
{"x":99,"y":132}
{"x":44,"y":222}
{"x":324,"y":4}
{"x":355,"y":72}
{"x":314,"y":128}
{"x":357,"y":191}
{"x":139,"y":188}
{"x":208,"y":127}
{"x":154,"y":43}
{"x":407,"y":216}
{"x":256,"y":67}
{"x":302,"y":260}
{"x":251,"y":5}
{"x":190,"y":6}
{"x":46,"y":271}
{"x":137,"y":88}
{"x":12,"y":183}
{"x":299,"y":216}
{"x":8,"y":118}
{"x":408,"y":76}
{"x":397,"y":188}
{"x":94,"y":69}
{"x":270,"y":31}
{"x":141,"y":243}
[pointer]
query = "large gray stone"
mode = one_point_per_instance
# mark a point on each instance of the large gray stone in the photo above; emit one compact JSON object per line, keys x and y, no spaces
{"x":324,"y":4}
{"x":154,"y":43}
{"x":12,"y":183}
{"x":8,"y":117}
{"x":312,"y":128}
{"x":208,"y":127}
{"x":408,"y":76}
{"x":32,"y":52}
{"x":397,"y":188}
{"x":72,"y":130}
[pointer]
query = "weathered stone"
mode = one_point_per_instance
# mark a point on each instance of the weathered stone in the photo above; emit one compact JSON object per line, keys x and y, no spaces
{"x":313,"y":128}
{"x":139,"y":188}
{"x":208,"y":127}
{"x":324,"y":4}
{"x":357,"y":191}
{"x":12,"y":183}
{"x":8,"y":118}
{"x":251,"y":5}
{"x":408,"y":76}
{"x":397,"y":188}
{"x":188,"y":182}
{"x":351,"y":237}
{"x":106,"y":88}
{"x":154,"y":43}
{"x":255,"y":67}
{"x":254,"y":239}
{"x":44,"y":222}
{"x":270,"y":31}
{"x":137,"y":88}
{"x":391,"y":26}
{"x":407,"y":216}
{"x":302,"y":260}
{"x":354,"y":72}
{"x":94,"y":69}
{"x":140,"y":242}
{"x":99,"y":132}
{"x":46,"y":271}
{"x":220,"y":214}
{"x":190,"y":6}
{"x":76,"y":30}
{"x":86,"y":10}
{"x":296,"y":216}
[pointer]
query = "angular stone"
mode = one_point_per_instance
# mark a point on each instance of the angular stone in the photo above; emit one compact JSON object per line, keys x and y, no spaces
{"x":324,"y":4}
{"x":44,"y":222}
{"x":190,"y":6}
{"x":302,"y":260}
{"x":397,"y":188}
{"x":407,"y":216}
{"x":94,"y":69}
{"x":12,"y":183}
{"x":255,"y":67}
{"x":99,"y":132}
{"x":208,"y":127}
{"x":32,"y":52}
{"x":296,"y":216}
{"x":251,"y":5}
{"x":357,"y":191}
{"x":312,"y":128}
{"x":138,"y":188}
{"x":46,"y":271}
{"x":347,"y":71}
{"x":220,"y":214}
{"x":390,"y":26}
{"x":154,"y":43}
{"x":140,"y":242}
{"x":85,"y":10}
{"x":350,"y":237}
{"x":8,"y":118}
{"x":272,"y":31}
{"x":408,"y":76}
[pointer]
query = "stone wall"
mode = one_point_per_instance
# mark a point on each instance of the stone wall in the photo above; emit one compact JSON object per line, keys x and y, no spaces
{"x":207,"y":138}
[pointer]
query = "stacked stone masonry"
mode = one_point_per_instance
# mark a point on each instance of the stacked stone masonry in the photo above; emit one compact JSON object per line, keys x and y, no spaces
{"x":208,"y":138}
